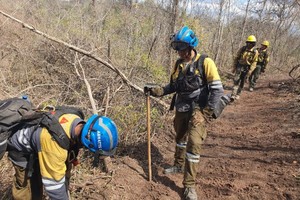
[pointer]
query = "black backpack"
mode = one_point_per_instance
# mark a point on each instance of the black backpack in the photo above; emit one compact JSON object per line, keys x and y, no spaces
{"x":189,"y":83}
{"x":15,"y":113}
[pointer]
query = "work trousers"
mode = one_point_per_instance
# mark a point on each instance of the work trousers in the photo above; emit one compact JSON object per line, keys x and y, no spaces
{"x":25,"y":188}
{"x":254,"y":76}
{"x":190,"y":134}
{"x":239,"y":79}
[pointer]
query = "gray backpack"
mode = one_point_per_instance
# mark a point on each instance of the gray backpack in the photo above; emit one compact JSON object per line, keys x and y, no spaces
{"x":15,"y":113}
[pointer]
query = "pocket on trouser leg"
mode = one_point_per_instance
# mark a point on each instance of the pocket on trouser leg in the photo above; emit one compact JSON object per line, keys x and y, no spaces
{"x":197,"y":119}
{"x":21,"y":187}
{"x":196,"y":134}
{"x":20,"y":180}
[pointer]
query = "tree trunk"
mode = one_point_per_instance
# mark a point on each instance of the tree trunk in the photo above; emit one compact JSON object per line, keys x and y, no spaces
{"x":218,"y":38}
{"x":174,"y":16}
{"x":244,"y":24}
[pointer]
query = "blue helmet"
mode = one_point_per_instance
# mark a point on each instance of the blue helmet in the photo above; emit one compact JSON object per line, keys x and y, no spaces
{"x":183,"y":39}
{"x":100,"y":134}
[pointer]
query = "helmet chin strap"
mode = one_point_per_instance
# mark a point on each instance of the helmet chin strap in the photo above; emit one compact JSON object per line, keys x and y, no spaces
{"x":96,"y":158}
{"x":92,"y":125}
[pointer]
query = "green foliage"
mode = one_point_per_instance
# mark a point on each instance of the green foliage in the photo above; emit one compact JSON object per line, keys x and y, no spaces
{"x":157,"y":71}
{"x":132,"y":122}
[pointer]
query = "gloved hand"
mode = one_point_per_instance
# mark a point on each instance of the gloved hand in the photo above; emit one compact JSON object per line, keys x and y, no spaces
{"x":208,"y":113}
{"x":262,"y":70}
{"x":155,"y":91}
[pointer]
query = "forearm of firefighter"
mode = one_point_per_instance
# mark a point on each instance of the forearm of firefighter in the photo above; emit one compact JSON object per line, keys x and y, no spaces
{"x":216,"y":91}
{"x":235,"y":63}
{"x":170,"y":88}
{"x":214,"y":83}
{"x":236,"y":59}
{"x":56,"y":190}
{"x":53,"y":172}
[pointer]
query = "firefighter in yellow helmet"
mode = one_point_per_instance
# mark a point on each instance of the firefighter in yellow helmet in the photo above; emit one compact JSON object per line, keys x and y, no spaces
{"x":263,"y":60}
{"x":244,"y":65}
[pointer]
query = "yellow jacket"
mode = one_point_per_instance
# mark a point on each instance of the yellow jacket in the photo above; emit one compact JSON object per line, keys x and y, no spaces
{"x":263,"y":57}
{"x":52,"y":158}
{"x":209,"y":91}
{"x":247,"y":57}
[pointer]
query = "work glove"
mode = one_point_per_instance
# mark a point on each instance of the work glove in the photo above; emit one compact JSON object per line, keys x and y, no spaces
{"x":155,"y":91}
{"x":208,"y":114}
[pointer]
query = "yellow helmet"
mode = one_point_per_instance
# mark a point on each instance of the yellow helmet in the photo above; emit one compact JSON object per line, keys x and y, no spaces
{"x":251,"y":38}
{"x":266,"y":43}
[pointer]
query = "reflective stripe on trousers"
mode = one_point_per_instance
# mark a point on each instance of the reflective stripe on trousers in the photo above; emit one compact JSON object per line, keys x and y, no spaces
{"x":192,"y":158}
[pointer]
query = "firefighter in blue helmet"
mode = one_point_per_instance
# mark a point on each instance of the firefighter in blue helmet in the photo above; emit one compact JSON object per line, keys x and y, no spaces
{"x":39,"y":161}
{"x":198,"y":98}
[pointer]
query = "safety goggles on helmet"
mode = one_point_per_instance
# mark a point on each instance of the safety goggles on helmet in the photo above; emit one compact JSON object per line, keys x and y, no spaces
{"x":100,"y":134}
{"x":179,"y":45}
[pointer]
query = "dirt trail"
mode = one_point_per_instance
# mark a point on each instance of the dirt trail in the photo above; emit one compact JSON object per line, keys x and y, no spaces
{"x":251,"y":152}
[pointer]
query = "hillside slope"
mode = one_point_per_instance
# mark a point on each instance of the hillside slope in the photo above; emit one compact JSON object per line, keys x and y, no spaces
{"x":252,"y":152}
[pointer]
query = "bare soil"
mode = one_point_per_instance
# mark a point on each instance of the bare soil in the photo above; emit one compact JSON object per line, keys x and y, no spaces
{"x":251,"y":152}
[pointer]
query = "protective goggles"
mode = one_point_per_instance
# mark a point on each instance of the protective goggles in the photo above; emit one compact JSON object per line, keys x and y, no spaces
{"x":179,"y":46}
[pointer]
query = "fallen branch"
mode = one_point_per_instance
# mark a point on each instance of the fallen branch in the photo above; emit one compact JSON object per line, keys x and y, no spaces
{"x":88,"y":54}
{"x":87,"y":183}
{"x":295,"y":72}
{"x":87,"y":84}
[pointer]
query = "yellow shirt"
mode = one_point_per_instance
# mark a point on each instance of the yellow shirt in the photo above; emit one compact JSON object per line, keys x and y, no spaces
{"x":247,"y":57}
{"x":51,"y":156}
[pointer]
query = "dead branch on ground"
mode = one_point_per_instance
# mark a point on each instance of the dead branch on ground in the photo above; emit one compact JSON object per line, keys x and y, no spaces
{"x":295,"y":72}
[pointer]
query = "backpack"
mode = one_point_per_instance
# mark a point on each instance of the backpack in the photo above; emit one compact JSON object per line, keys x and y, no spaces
{"x":15,"y":113}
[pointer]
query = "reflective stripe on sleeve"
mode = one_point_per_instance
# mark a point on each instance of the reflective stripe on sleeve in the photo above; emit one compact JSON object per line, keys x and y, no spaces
{"x":52,"y":184}
{"x":215,"y":84}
